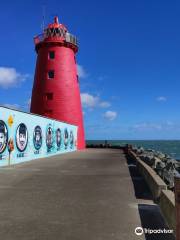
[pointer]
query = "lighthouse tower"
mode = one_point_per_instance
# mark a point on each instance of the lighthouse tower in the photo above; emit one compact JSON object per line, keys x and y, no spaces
{"x":56,"y":91}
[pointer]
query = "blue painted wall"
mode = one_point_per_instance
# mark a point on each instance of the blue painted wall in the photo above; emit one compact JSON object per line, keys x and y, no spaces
{"x":25,"y":137}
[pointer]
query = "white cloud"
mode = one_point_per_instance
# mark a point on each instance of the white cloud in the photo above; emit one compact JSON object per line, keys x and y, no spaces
{"x":147,"y":126}
{"x":104,"y":104}
{"x":90,"y":101}
{"x":12,"y":106}
{"x":161,"y":99}
{"x":28,"y":105}
{"x":29,"y":102}
{"x":156,"y":127}
{"x":9,"y":77}
{"x":81,"y":71}
{"x":169,"y":123}
{"x":110,"y":115}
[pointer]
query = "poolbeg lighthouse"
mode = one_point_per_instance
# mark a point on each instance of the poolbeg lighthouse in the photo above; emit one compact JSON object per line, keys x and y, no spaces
{"x":56,"y":91}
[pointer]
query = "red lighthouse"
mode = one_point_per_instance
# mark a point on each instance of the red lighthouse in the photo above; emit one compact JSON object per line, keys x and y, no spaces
{"x":56,"y":91}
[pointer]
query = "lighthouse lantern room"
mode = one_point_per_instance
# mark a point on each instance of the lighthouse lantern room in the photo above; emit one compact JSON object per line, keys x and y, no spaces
{"x":56,"y":91}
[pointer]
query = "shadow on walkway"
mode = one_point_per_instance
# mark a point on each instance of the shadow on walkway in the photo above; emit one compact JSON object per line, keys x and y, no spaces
{"x":141,"y":189}
{"x":150,"y":214}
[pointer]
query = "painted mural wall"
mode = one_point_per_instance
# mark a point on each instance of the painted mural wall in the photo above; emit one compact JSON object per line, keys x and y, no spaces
{"x":25,"y":137}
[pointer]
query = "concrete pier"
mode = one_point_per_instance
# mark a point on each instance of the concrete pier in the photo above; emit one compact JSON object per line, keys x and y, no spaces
{"x":95,"y":194}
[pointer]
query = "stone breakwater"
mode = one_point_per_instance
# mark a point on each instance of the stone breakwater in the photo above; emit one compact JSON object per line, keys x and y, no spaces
{"x":164,"y":165}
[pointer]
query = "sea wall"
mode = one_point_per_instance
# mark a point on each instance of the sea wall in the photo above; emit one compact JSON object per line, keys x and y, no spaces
{"x":165,"y":198}
{"x":155,"y":183}
{"x":164,"y":165}
{"x":167,"y":205}
{"x":25,"y":137}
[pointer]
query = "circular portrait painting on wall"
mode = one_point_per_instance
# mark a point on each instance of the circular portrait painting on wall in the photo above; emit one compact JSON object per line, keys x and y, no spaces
{"x":66,"y":137}
{"x":58,"y":137}
{"x":71,"y":137}
{"x":37,"y":137}
{"x":3,"y":136}
{"x":49,"y":138}
{"x":21,"y":137}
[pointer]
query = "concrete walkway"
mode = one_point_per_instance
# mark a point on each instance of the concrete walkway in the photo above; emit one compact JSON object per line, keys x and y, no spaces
{"x":96,"y":194}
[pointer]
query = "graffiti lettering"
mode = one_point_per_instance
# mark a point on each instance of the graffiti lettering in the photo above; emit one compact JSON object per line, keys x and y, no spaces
{"x":36,"y":152}
{"x":20,"y":155}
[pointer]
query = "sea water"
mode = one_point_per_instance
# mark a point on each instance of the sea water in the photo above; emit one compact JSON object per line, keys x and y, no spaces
{"x":170,"y":147}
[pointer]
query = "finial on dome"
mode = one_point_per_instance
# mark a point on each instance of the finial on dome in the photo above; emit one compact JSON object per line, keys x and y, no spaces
{"x":56,"y":19}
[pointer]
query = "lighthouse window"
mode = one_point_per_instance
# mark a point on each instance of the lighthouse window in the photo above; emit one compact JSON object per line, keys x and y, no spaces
{"x":51,"y":74}
{"x":51,"y":55}
{"x":57,"y":30}
{"x":49,"y":96}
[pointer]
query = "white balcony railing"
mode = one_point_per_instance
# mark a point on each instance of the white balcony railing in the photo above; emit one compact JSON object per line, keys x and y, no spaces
{"x":55,"y":35}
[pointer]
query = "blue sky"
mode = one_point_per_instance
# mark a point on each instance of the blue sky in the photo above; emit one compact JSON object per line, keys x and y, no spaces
{"x":129,"y":62}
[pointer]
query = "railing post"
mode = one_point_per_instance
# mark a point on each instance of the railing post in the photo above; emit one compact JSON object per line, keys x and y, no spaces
{"x":177,"y":206}
{"x":127,"y":148}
